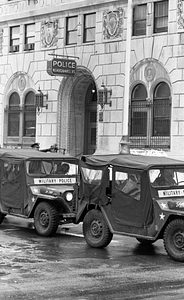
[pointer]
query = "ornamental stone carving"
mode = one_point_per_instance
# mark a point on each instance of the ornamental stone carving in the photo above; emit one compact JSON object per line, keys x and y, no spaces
{"x":113,"y":24}
{"x":49,"y":33}
{"x":1,"y":40}
{"x":180,"y":14}
{"x":150,"y":72}
{"x":22,"y":83}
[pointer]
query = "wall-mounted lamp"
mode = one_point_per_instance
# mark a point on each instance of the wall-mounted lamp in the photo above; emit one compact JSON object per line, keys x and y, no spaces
{"x":104,"y":96}
{"x":40,"y":102}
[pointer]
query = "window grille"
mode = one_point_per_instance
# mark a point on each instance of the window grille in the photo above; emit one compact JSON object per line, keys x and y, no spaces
{"x":150,"y":119}
{"x":20,"y":119}
{"x":29,"y":115}
{"x":14,"y":115}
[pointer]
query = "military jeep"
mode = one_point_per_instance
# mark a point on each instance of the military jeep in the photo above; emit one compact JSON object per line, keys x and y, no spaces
{"x":38,"y":185}
{"x":133,"y":195}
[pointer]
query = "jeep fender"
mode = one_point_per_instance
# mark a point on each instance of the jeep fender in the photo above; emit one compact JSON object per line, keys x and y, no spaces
{"x":58,"y":203}
{"x":86,"y":208}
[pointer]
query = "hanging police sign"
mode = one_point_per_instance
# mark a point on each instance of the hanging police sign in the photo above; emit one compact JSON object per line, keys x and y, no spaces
{"x":61,"y":67}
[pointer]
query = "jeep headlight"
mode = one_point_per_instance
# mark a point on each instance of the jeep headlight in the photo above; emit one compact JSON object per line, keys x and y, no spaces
{"x":69,"y":196}
{"x":35,"y":190}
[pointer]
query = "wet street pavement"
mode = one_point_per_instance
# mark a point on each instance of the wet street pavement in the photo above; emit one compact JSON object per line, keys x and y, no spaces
{"x":64,"y":267}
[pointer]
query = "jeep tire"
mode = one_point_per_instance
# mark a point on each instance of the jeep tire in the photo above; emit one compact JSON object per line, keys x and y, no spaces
{"x":174,"y":239}
{"x":46,"y":219}
{"x":95,"y":229}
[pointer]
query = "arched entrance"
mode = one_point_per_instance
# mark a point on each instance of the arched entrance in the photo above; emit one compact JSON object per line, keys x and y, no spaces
{"x":78,"y":114}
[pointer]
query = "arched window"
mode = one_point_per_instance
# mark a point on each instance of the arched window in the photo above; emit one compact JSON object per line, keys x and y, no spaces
{"x":29,"y":127}
{"x":20,"y":120}
{"x":161,"y":110}
{"x":14,"y":115}
{"x":150,"y":118}
{"x":138,"y":111}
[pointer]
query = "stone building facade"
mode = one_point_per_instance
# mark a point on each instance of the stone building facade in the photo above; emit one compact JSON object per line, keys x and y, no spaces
{"x":93,"y":34}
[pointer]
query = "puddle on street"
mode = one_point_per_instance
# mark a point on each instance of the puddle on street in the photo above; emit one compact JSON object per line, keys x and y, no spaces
{"x":24,"y":253}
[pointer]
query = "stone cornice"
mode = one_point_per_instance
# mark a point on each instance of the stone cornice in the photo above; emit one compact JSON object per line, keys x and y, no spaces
{"x":20,"y":9}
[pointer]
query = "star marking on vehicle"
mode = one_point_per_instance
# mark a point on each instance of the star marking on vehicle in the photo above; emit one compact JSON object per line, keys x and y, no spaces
{"x":163,"y":205}
{"x":33,"y":199}
{"x":162,"y":216}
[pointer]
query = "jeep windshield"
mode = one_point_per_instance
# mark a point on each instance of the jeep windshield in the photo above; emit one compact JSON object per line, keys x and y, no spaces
{"x":51,"y":167}
{"x":166,"y":177}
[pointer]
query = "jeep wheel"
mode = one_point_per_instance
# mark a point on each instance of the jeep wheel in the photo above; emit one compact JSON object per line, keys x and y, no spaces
{"x":95,"y":229}
{"x":174,"y":239}
{"x":2,"y":216}
{"x":46,"y":219}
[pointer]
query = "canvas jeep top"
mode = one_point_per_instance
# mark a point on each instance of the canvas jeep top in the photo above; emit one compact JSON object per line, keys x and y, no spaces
{"x":38,"y":185}
{"x":133,"y":195}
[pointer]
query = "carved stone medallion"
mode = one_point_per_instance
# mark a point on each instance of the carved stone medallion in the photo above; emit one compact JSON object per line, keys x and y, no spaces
{"x":22,"y":83}
{"x":150,"y":72}
{"x":49,"y":33}
{"x":113,"y":24}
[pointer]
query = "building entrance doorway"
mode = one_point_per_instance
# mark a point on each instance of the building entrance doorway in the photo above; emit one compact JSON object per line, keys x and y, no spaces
{"x":90,"y":120}
{"x":79,"y":115}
